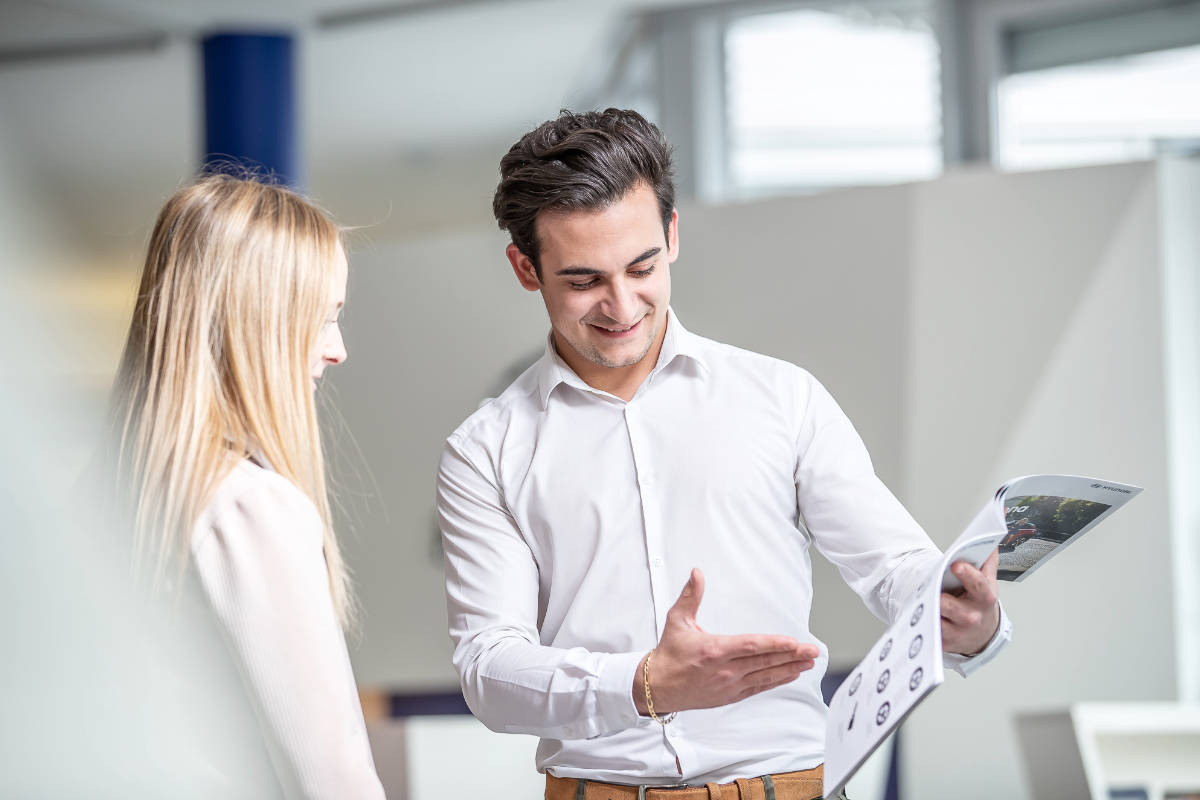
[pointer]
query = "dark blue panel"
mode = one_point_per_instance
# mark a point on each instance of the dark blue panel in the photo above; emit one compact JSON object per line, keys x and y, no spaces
{"x":249,"y":103}
{"x":428,"y":704}
{"x":830,"y":682}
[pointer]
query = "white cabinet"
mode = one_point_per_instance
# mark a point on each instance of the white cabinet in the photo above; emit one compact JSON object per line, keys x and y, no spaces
{"x":1091,"y":748}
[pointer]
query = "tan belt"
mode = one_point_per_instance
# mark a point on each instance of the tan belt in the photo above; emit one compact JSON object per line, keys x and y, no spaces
{"x":803,"y":785}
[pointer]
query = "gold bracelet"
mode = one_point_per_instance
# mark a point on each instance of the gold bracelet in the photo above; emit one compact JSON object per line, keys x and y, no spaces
{"x":649,"y":699}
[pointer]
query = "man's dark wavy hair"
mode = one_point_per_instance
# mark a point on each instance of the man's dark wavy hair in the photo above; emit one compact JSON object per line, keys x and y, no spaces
{"x":580,"y":162}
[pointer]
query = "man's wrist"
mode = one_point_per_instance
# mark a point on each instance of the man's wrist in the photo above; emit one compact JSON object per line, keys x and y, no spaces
{"x":639,"y":688}
{"x":965,"y":665}
{"x":991,"y":636}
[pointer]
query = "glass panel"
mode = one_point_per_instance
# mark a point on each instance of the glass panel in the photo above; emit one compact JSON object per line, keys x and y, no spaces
{"x":819,"y":99}
{"x":1114,"y":110}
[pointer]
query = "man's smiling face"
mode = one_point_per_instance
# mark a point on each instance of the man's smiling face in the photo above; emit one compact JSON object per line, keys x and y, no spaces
{"x":606,"y":283}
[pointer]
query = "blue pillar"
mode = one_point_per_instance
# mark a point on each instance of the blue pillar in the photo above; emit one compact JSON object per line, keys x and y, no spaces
{"x":249,"y":103}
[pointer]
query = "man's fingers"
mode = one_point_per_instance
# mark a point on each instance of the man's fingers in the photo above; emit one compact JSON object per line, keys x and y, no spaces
{"x":752,"y":645}
{"x":976,"y":583}
{"x":769,"y":660}
{"x":773,"y":675}
{"x":798,"y":651}
{"x":992,"y":566}
{"x":958,"y":611}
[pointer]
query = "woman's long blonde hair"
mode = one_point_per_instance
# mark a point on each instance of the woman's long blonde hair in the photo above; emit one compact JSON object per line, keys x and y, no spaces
{"x":217,"y":364}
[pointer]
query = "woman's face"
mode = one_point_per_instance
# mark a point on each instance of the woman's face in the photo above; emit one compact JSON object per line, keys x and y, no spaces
{"x":330,"y":347}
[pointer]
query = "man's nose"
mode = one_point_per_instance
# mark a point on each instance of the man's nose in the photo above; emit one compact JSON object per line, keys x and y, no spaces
{"x":621,"y":304}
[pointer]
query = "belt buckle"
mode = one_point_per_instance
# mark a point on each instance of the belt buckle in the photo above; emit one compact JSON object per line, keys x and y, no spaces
{"x":643,"y":788}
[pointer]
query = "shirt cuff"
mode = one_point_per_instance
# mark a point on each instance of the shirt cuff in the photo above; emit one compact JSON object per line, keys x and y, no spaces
{"x":965,"y":665}
{"x":616,"y":691}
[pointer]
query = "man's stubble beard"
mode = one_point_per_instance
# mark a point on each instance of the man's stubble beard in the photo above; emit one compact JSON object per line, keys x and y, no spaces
{"x":594,"y":355}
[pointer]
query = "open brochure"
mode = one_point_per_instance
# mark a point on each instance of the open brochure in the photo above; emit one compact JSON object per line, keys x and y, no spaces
{"x":1030,"y":520}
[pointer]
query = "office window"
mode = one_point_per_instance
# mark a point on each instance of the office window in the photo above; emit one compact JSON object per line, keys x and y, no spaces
{"x":818,"y":99}
{"x":1104,"y":111}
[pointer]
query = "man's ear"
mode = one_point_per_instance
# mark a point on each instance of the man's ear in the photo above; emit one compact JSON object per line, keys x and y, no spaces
{"x":673,"y":238}
{"x":523,"y":268}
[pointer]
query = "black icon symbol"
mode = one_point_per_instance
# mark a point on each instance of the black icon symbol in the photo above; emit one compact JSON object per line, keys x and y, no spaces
{"x":915,"y":647}
{"x":882,"y":683}
{"x":852,"y":715}
{"x":887,"y":648}
{"x":915,"y":680}
{"x":854,"y":685}
{"x":916,"y":617}
{"x":882,"y":714}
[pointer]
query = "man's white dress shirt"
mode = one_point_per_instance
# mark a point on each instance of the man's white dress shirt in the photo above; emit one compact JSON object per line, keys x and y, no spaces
{"x":571,"y":520}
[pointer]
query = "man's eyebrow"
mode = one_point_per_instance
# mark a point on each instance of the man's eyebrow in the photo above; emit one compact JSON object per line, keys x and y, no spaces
{"x":653,"y":251}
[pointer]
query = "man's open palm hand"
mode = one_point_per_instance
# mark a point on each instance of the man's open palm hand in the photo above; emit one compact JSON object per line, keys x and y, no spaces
{"x":695,"y":669}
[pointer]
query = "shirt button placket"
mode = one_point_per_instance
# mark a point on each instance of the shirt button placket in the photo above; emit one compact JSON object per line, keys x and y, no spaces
{"x":645,"y":480}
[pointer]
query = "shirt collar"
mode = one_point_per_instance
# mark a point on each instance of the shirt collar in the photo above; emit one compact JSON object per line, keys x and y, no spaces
{"x":678,"y":342}
{"x":251,"y":451}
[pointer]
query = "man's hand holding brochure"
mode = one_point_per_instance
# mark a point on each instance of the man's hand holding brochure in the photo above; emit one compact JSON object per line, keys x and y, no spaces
{"x":1029,"y":520}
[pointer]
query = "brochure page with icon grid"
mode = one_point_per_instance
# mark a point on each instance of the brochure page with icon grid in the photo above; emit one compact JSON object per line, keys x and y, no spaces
{"x":1029,"y":520}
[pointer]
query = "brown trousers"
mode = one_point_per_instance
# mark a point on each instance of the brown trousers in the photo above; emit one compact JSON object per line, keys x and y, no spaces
{"x":802,"y":785}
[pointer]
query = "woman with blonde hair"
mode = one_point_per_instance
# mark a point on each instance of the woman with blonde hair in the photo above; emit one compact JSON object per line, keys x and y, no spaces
{"x":220,"y":464}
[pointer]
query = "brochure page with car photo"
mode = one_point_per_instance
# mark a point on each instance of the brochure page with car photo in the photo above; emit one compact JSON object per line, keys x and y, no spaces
{"x":1030,"y":520}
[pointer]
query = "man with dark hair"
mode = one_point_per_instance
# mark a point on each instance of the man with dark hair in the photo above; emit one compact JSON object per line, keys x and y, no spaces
{"x":635,"y":457}
{"x":580,"y":162}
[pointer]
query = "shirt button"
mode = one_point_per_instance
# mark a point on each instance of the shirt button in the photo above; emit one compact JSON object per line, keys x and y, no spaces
{"x":647,"y":480}
{"x":658,"y":562}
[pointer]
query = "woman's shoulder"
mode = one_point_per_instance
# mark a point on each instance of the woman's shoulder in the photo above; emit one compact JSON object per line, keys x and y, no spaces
{"x":261,"y":503}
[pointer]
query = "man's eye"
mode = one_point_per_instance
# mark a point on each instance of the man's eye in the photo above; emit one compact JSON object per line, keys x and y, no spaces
{"x":583,"y":285}
{"x":642,"y":273}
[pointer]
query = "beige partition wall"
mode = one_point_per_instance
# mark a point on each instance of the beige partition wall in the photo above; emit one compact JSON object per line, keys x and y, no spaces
{"x":821,"y":282}
{"x":432,"y":326}
{"x":1037,"y":346}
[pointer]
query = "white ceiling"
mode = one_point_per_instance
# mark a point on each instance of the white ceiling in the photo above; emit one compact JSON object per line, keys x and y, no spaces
{"x":454,"y":70}
{"x":392,"y":107}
